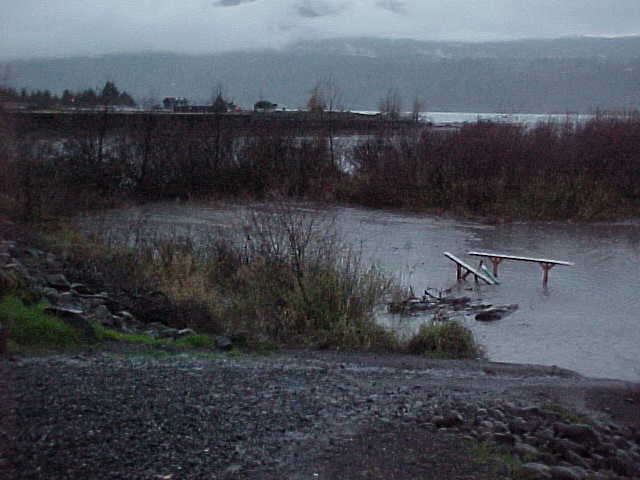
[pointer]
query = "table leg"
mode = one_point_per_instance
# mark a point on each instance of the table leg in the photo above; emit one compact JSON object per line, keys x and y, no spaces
{"x":545,"y":271}
{"x":495,"y":261}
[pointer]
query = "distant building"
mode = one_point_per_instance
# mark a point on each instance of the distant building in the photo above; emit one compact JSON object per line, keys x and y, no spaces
{"x":170,"y":103}
{"x":264,"y":106}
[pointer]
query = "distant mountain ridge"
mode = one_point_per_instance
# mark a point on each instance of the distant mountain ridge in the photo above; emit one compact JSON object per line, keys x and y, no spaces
{"x":570,"y":47}
{"x":538,"y":76}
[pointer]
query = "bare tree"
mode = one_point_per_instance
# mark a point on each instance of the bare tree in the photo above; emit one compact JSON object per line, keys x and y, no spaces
{"x":418,"y":107}
{"x":332,"y":94}
{"x":316,"y":102}
{"x":218,"y":101}
{"x":390,"y":105}
{"x":334,"y":103}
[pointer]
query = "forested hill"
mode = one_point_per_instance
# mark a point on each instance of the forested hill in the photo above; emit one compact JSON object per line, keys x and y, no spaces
{"x":545,"y":76}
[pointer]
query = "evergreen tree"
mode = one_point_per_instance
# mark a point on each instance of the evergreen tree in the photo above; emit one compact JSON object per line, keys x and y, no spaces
{"x":126,"y":100}
{"x":110,"y":94}
{"x":220,"y":105}
{"x":67,"y":98}
{"x":88,"y":97}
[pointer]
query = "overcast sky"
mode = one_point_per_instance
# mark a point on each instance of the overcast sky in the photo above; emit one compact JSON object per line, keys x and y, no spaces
{"x":30,"y":28}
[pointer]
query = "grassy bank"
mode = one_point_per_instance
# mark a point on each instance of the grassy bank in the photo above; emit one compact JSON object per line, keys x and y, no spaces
{"x":284,"y":279}
{"x":30,"y":328}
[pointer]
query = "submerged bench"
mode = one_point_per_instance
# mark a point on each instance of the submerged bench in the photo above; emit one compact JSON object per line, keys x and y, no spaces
{"x":463,"y":270}
{"x":546,"y":264}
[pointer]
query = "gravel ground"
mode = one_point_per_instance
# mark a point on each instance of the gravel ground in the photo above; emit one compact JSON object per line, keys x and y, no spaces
{"x":292,"y":415}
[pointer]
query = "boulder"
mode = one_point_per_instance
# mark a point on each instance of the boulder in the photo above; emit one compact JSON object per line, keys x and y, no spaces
{"x":102,"y":315}
{"x":504,"y":438}
{"x":76,"y":319}
{"x":535,"y":471}
{"x":577,"y":432}
{"x":81,"y":288}
{"x":58,"y":281}
{"x":51,"y":294}
{"x":223,"y":342}
{"x":447,"y":421}
{"x":159,"y":330}
{"x":495,"y":313}
{"x":567,"y":473}
{"x":184,"y":332}
{"x":526,"y":451}
{"x":622,"y":464}
{"x":520,"y":426}
{"x":575,"y":459}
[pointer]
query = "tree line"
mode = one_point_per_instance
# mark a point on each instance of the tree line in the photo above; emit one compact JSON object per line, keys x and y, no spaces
{"x":109,"y":95}
{"x":585,"y":171}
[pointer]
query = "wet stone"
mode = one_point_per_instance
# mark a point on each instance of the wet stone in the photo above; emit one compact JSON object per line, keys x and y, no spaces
{"x":504,"y":438}
{"x":58,"y":281}
{"x":223,"y":342}
{"x":568,"y":473}
{"x":448,"y":421}
{"x":577,"y":432}
{"x":526,"y":451}
{"x":536,"y":471}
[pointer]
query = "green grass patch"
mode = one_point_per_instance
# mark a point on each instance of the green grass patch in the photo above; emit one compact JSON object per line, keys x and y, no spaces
{"x":444,"y":339}
{"x":190,"y":341}
{"x":498,"y":458}
{"x":196,"y":341}
{"x":565,"y":414}
{"x":30,"y":326}
{"x":107,"y":334}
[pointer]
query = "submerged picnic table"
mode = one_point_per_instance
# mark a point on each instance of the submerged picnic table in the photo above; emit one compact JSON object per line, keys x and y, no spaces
{"x":464,"y":270}
{"x":546,"y":264}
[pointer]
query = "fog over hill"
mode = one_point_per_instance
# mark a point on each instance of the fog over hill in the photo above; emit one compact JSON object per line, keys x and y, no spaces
{"x":578,"y":74}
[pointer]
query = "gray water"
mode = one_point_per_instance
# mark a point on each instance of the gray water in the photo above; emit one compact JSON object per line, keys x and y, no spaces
{"x":586,"y":319}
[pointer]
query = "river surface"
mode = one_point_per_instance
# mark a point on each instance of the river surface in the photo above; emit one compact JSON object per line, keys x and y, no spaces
{"x":586,"y":319}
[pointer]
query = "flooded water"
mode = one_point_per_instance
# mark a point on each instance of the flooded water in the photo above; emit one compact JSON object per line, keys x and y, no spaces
{"x":586,"y":318}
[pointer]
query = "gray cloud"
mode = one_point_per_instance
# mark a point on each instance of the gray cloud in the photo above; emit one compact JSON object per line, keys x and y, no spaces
{"x":308,"y":11}
{"x":31,"y":28}
{"x":318,"y":8}
{"x":395,"y":6}
{"x":231,"y":3}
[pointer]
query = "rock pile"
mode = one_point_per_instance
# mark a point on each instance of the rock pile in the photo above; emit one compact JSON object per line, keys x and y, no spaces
{"x":549,"y":445}
{"x":442,"y":306}
{"x":41,"y":272}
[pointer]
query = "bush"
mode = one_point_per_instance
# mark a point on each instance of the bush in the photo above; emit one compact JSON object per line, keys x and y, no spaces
{"x":283,"y":278}
{"x":298,"y":283}
{"x":30,"y":326}
{"x":446,"y":339}
{"x":583,"y":171}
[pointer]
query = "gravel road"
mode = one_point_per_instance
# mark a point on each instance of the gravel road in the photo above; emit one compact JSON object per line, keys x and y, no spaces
{"x":292,"y":415}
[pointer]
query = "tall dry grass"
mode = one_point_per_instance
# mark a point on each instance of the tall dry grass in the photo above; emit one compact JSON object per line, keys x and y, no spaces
{"x":284,"y":278}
